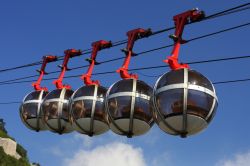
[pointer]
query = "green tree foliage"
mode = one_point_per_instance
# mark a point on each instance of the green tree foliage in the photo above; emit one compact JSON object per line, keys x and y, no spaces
{"x":6,"y":160}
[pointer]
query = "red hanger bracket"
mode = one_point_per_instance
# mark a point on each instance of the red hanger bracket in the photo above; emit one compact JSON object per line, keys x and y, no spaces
{"x":133,"y":35}
{"x":46,"y":59}
{"x":70,"y":53}
{"x":96,"y":46}
{"x":180,"y":21}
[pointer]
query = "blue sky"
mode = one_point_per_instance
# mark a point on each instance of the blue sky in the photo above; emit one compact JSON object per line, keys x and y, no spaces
{"x":32,"y":29}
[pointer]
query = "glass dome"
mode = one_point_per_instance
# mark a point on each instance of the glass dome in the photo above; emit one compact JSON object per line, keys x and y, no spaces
{"x":30,"y":110}
{"x":185,"y":102}
{"x":88,"y":110}
{"x":55,"y":110}
{"x":128,"y":106}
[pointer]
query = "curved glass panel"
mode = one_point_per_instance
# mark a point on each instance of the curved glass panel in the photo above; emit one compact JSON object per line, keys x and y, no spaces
{"x":172,"y":77}
{"x":65,"y":112}
{"x":68,"y":93}
{"x":199,"y":103}
{"x":142,"y":87}
{"x":122,"y":86}
{"x":142,"y":110}
{"x":82,"y":109}
{"x":119,"y":107}
{"x":85,"y":91}
{"x":54,"y":94}
{"x":50,"y":110}
{"x":213,"y":113}
{"x":101,"y":92}
{"x":33,"y":96}
{"x":29,"y":110}
{"x":196,"y":78}
{"x":100,"y":113}
{"x":170,"y":102}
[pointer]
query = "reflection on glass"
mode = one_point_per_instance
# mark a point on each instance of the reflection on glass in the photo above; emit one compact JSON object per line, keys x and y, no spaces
{"x":170,"y":102}
{"x":172,"y":77}
{"x":122,"y":86}
{"x":199,"y":103}
{"x":213,"y":113}
{"x":50,"y":110}
{"x":100,"y":113}
{"x":119,"y":107}
{"x":143,"y":88}
{"x":85,"y":91}
{"x":30,"y":110}
{"x":196,"y":78}
{"x":55,"y":94}
{"x":33,"y":96}
{"x":142,"y":110}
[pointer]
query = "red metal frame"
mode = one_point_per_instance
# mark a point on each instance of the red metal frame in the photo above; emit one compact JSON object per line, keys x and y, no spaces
{"x":133,"y":35}
{"x":70,"y":53}
{"x":180,"y":21}
{"x":46,"y":59}
{"x":96,"y":46}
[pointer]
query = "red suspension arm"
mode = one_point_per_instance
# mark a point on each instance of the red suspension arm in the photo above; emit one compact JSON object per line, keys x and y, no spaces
{"x":180,"y":21}
{"x":46,"y":59}
{"x":70,"y":53}
{"x":133,"y":35}
{"x":96,"y":46}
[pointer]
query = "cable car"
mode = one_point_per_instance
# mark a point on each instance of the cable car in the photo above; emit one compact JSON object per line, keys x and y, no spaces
{"x":30,"y":109}
{"x":128,"y":100}
{"x":87,"y":107}
{"x":55,"y":106}
{"x":185,"y":102}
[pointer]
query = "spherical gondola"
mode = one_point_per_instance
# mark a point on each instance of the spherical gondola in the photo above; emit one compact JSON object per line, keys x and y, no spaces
{"x":56,"y":112}
{"x":128,"y":106}
{"x":30,"y":110}
{"x":185,"y":102}
{"x":88,"y":110}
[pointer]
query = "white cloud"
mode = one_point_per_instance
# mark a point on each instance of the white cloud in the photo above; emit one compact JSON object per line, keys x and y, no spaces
{"x":120,"y":154}
{"x":87,"y":141}
{"x":56,"y":151}
{"x":242,"y":159}
{"x":161,"y":160}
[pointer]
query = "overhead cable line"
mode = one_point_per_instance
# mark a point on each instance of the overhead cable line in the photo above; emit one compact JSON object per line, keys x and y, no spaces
{"x":15,"y":81}
{"x":138,"y":69}
{"x":236,"y":9}
{"x":215,"y":83}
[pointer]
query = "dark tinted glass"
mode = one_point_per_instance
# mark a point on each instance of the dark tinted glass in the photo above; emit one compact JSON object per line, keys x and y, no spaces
{"x":100,"y":113}
{"x":213,"y":114}
{"x":199,"y":103}
{"x":142,"y":109}
{"x":30,"y":110}
{"x":101,"y":92}
{"x":54,"y":94}
{"x":119,"y":107}
{"x":68,"y":93}
{"x":122,"y":86}
{"x":172,"y":77}
{"x":50,"y":110}
{"x":142,"y":87}
{"x":65,"y":112}
{"x":82,"y":109}
{"x":198,"y":79}
{"x":170,"y":102}
{"x":85,"y":91}
{"x":33,"y":96}
{"x":45,"y":94}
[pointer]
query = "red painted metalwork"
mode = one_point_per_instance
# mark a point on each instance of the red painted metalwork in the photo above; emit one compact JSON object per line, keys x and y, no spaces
{"x":96,"y":46}
{"x":180,"y":21}
{"x":133,"y":35}
{"x":70,"y":53}
{"x":46,"y":59}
